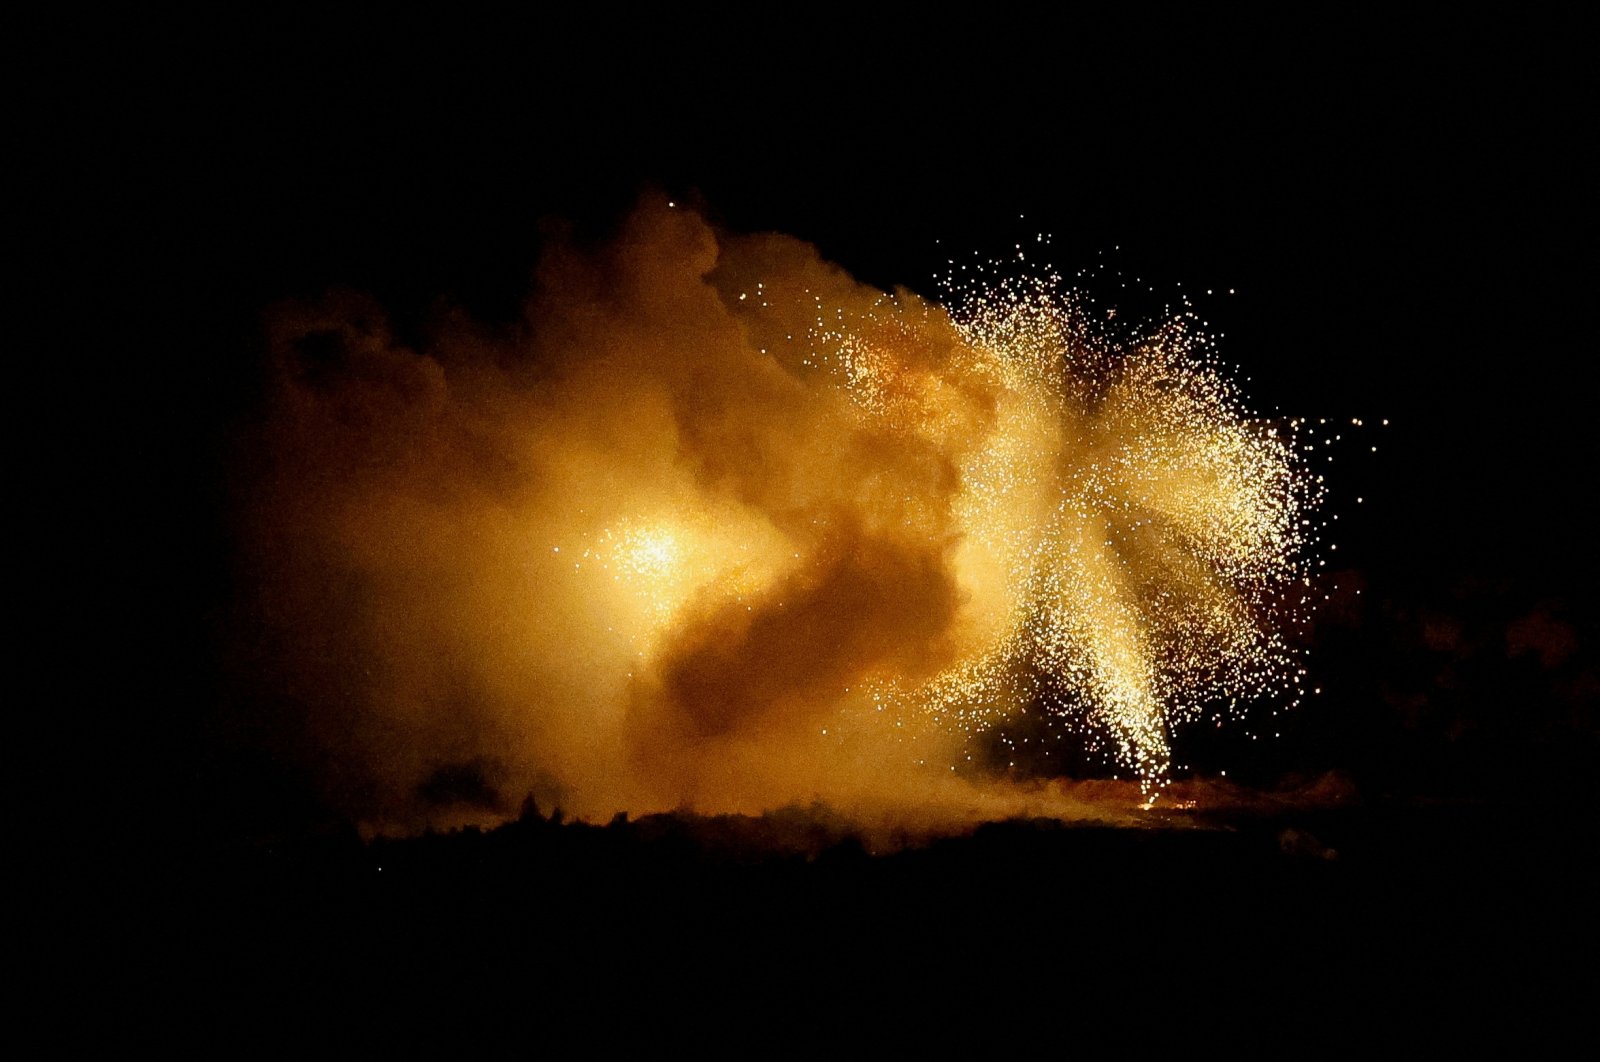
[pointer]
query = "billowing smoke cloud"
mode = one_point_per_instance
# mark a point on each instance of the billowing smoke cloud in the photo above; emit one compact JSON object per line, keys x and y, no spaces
{"x":687,"y":535}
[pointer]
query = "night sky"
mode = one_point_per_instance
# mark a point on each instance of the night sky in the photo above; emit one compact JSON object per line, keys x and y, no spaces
{"x":1404,"y":211}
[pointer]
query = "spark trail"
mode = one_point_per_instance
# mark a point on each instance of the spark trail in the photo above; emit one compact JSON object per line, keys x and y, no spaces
{"x":1126,"y":532}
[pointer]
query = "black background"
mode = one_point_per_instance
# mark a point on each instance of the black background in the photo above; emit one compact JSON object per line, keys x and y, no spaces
{"x":1404,"y":208}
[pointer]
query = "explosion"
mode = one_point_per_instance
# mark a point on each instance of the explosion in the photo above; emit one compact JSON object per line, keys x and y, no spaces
{"x":717,"y":527}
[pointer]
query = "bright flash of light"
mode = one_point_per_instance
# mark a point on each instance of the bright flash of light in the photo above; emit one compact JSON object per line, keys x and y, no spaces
{"x":659,"y":566}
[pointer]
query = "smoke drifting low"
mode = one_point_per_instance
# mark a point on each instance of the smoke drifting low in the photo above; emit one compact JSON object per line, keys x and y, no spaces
{"x":715,"y":527}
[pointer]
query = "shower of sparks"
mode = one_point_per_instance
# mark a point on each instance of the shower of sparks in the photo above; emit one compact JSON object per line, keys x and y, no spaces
{"x":1132,"y":544}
